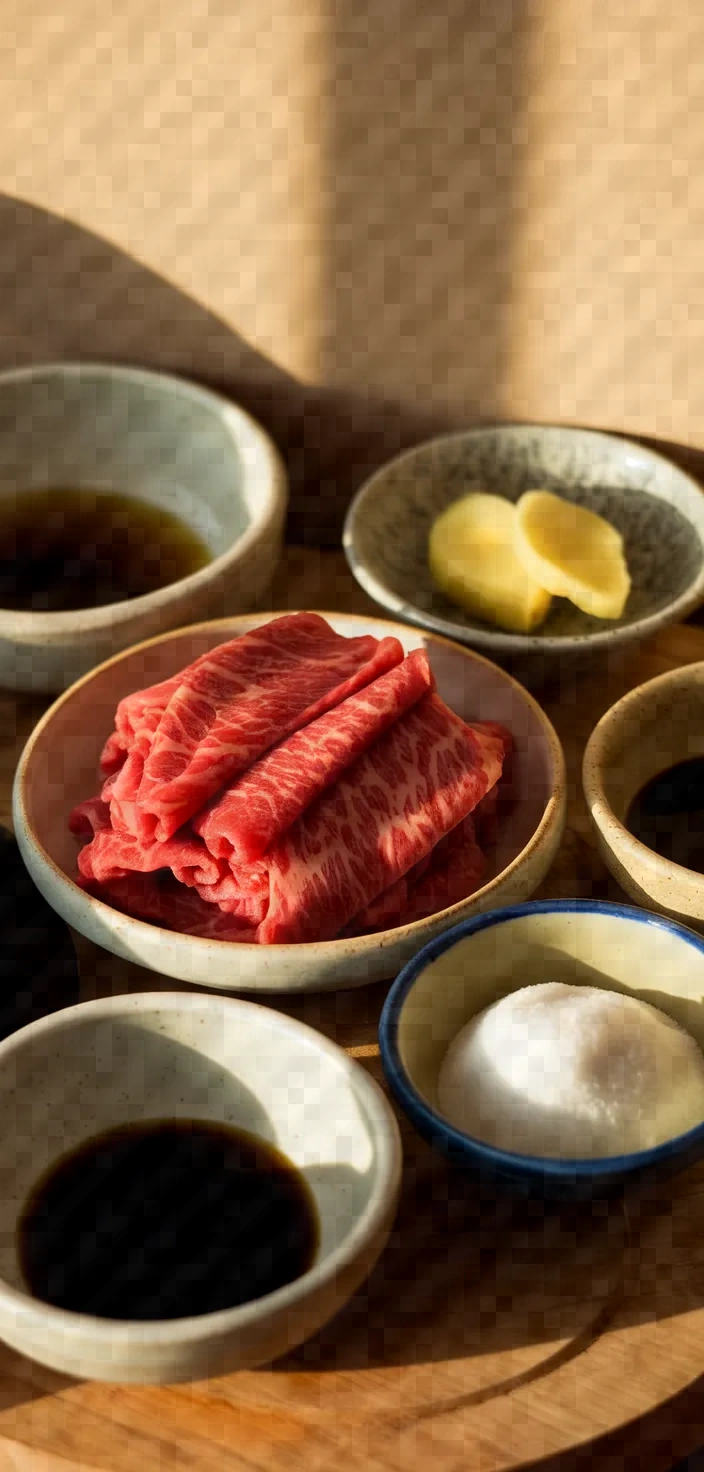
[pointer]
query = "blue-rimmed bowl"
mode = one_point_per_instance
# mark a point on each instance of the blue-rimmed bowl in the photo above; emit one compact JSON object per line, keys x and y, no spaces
{"x":585,"y":942}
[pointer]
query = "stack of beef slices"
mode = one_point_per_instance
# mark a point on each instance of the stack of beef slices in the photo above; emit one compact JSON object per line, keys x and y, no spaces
{"x":291,"y":785}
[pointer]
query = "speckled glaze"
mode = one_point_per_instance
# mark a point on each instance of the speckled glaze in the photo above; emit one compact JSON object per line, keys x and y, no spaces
{"x":657,"y":508}
{"x":650,"y":729}
{"x":159,"y":439}
{"x":582,"y":942}
{"x":59,"y":765}
{"x":172,"y":1056}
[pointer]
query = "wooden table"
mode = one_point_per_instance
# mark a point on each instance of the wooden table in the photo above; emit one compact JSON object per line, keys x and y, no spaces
{"x":492,"y":1334}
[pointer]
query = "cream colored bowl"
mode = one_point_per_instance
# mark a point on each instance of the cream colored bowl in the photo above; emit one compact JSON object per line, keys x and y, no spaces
{"x":650,"y":729}
{"x":166,"y":1056}
{"x":59,"y":766}
{"x":163,"y":441}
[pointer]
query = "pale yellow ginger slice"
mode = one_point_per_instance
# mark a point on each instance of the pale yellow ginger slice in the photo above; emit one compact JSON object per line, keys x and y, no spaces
{"x":472,"y":557}
{"x":573,"y":553}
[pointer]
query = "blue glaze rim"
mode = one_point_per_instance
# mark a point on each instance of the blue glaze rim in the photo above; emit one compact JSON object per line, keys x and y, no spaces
{"x":504,"y":1161}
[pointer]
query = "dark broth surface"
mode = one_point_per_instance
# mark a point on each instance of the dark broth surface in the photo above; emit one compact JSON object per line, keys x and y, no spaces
{"x":668,"y":814}
{"x":166,"y":1219}
{"x":65,"y":549}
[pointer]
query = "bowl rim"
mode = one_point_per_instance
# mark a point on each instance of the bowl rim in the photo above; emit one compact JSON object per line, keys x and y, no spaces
{"x":554,"y":812}
{"x":272,"y":488}
{"x":600,"y":809}
{"x":417,"y":1107}
{"x":161,"y":1333}
{"x":503,"y":642}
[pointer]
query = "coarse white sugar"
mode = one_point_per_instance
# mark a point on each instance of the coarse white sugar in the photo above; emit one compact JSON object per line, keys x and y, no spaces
{"x":571,"y":1071}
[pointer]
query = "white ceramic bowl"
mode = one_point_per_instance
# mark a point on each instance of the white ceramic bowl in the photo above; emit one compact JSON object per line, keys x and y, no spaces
{"x":59,"y":765}
{"x":581,"y":942}
{"x":164,"y":1056}
{"x":658,"y":509}
{"x":161,"y":440}
{"x":653,"y":727}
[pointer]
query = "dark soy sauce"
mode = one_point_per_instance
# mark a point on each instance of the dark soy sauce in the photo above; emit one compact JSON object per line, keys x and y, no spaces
{"x":668,"y":814}
{"x":166,"y":1219}
{"x":67,"y":549}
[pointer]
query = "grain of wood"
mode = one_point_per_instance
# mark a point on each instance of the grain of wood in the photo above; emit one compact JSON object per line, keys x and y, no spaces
{"x":492,"y":1334}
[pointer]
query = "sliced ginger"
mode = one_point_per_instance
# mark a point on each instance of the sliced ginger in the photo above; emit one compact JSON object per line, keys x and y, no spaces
{"x":573,"y":553}
{"x":472,"y":556}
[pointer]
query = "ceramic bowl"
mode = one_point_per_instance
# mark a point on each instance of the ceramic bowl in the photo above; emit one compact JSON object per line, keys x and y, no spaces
{"x":653,"y":727}
{"x":165,"y":1056}
{"x":582,"y":942}
{"x":657,"y":508}
{"x":160,"y":440}
{"x":59,"y":765}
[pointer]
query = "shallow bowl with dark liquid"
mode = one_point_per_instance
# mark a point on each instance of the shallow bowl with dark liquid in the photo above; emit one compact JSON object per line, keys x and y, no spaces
{"x":131,"y":502}
{"x":190,"y":1184}
{"x":643,"y":777}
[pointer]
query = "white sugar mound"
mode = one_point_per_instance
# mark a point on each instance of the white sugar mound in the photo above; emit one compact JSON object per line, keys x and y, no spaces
{"x":572,"y":1071}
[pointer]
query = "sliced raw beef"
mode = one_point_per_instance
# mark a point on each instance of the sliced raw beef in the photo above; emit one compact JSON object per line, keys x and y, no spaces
{"x":384,"y":813}
{"x":92,"y":816}
{"x":247,"y":818}
{"x":452,"y":876}
{"x":113,"y":855}
{"x":160,"y":899}
{"x":243,"y":893}
{"x":136,"y":719}
{"x":291,"y":785}
{"x":238,"y":701}
{"x":449,"y":874}
{"x":125,"y":752}
{"x":113,"y":755}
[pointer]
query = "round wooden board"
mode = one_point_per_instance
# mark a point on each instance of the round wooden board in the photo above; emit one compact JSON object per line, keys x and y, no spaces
{"x":494,"y":1333}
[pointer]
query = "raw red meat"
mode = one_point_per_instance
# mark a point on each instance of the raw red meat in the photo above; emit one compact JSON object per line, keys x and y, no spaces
{"x":136,"y":720}
{"x":383,"y":814}
{"x":125,"y":752}
{"x":248,"y":817}
{"x":112,"y":855}
{"x":160,"y":899}
{"x":237,"y":702}
{"x":454,"y":874}
{"x":450,"y":873}
{"x":92,"y":816}
{"x":330,"y":792}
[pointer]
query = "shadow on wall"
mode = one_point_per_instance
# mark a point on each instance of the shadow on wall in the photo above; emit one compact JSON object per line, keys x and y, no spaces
{"x":66,"y":293}
{"x":422,"y":187}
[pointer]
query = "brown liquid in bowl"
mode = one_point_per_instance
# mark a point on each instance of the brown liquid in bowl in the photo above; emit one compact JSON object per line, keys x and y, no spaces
{"x":68,"y":549}
{"x":667,"y":815}
{"x":165,"y":1219}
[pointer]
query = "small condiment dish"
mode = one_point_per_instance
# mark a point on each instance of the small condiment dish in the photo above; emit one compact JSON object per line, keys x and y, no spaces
{"x":170,"y":1056}
{"x":581,"y":942}
{"x":59,"y":768}
{"x":653,"y":727}
{"x":658,"y":509}
{"x":160,"y":440}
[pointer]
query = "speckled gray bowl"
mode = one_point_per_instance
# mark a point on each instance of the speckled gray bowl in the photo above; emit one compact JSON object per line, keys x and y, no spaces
{"x":170,"y":1055}
{"x":160,"y":440}
{"x":657,"y":508}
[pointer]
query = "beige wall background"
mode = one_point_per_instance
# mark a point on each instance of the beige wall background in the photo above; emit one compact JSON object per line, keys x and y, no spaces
{"x":366,"y":221}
